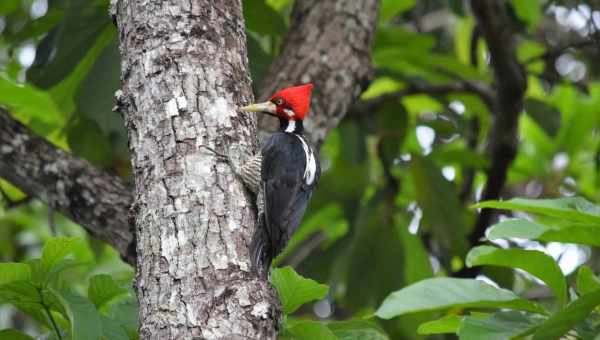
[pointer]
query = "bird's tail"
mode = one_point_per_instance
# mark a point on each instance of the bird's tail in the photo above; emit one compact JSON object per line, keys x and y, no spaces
{"x":261,"y":253}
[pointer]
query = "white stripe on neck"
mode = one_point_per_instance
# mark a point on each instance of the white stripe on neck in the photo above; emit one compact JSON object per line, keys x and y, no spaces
{"x":291,"y":127}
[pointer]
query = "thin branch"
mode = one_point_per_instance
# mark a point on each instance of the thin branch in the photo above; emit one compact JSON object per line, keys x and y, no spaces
{"x":558,"y":51}
{"x":511,"y":82}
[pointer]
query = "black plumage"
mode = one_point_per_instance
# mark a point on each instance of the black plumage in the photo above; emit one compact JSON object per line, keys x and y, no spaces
{"x":287,"y":184}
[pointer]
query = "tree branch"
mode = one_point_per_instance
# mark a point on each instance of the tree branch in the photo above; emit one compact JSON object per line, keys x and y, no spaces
{"x":329,"y":44}
{"x":556,"y":52}
{"x":494,"y":25}
{"x":93,"y":198}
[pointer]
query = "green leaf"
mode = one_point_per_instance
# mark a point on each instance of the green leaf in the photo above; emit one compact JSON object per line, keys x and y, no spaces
{"x":126,"y":313}
{"x":26,"y":297}
{"x":103,"y":289}
{"x":442,"y":293}
{"x":63,"y":49}
{"x":259,"y":59}
{"x":112,"y":330}
{"x":9,"y":6}
{"x":442,"y":213}
{"x":87,"y":140}
{"x":356,"y":330}
{"x":13,"y":334}
{"x":391,"y":8}
{"x":64,"y":91}
{"x":10,"y":272}
{"x":309,"y":330}
{"x":37,"y":27}
{"x":532,"y":261}
{"x":294,"y":290}
{"x":392,"y":36}
{"x":544,"y":114}
{"x":522,"y":228}
{"x":85,"y":322}
{"x":575,"y":209}
{"x":565,"y":319}
{"x":587,"y":282}
{"x":262,"y":18}
{"x":20,"y":292}
{"x":500,"y":326}
{"x":29,"y":103}
{"x":447,"y":324}
{"x":374,"y":225}
{"x":529,"y":11}
{"x":55,"y":250}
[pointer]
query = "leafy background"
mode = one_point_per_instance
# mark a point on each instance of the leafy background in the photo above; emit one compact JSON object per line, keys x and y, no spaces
{"x":384,"y":254}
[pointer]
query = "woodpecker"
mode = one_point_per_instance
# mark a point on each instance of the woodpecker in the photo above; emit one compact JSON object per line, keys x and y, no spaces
{"x":287,"y":170}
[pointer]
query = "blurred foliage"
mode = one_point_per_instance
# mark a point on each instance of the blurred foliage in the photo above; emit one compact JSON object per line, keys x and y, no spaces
{"x":387,"y":228}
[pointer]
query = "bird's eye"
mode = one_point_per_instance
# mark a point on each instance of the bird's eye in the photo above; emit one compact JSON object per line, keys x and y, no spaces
{"x":278,"y":101}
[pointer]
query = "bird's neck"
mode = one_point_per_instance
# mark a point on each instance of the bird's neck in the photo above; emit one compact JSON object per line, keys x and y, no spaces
{"x":292,"y":126}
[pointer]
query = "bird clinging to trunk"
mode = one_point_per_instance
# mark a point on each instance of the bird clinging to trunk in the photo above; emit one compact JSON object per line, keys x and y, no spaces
{"x":287,"y":170}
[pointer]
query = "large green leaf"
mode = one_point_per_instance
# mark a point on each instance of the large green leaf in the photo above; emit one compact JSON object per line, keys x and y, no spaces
{"x":575,"y":209}
{"x":64,"y":91}
{"x":356,"y":330}
{"x":529,"y":11}
{"x":544,"y":114}
{"x":500,"y":326}
{"x":10,"y":272}
{"x":13,"y":334}
{"x":447,"y":324}
{"x":561,"y":322}
{"x":126,"y":313}
{"x":374,"y":226}
{"x":8,"y":6}
{"x":308,"y":330}
{"x":103,"y":289}
{"x":526,"y":229}
{"x":587,"y":282}
{"x":26,"y":297}
{"x":392,"y":8}
{"x":442,"y":213}
{"x":30,"y":103}
{"x":294,"y":290}
{"x":532,"y":261}
{"x":262,"y":18}
{"x":62,"y":50}
{"x":87,"y":140}
{"x":259,"y":60}
{"x":55,"y":250}
{"x":112,"y":330}
{"x":443,"y":293}
{"x":37,"y":27}
{"x":85,"y":322}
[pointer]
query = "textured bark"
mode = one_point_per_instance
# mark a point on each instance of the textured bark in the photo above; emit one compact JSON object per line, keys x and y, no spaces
{"x":184,"y":70}
{"x":316,"y":50}
{"x":70,"y":185}
{"x":328,"y":44}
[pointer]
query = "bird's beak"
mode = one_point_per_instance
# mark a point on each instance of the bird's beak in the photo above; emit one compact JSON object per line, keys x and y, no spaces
{"x":266,"y":107}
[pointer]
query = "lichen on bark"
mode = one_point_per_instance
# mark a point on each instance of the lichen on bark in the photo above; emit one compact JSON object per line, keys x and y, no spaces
{"x":184,"y":72}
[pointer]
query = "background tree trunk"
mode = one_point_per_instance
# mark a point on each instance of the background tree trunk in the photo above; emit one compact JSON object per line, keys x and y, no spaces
{"x":329,"y":44}
{"x":184,"y":70}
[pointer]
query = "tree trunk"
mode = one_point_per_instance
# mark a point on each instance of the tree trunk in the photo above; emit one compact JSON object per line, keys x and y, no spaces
{"x":184,"y":70}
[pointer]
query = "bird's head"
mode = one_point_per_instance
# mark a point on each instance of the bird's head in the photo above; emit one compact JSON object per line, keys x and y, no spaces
{"x":291,"y":103}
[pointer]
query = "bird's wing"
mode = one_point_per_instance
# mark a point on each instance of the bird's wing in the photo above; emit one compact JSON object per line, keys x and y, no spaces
{"x":285,"y":201}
